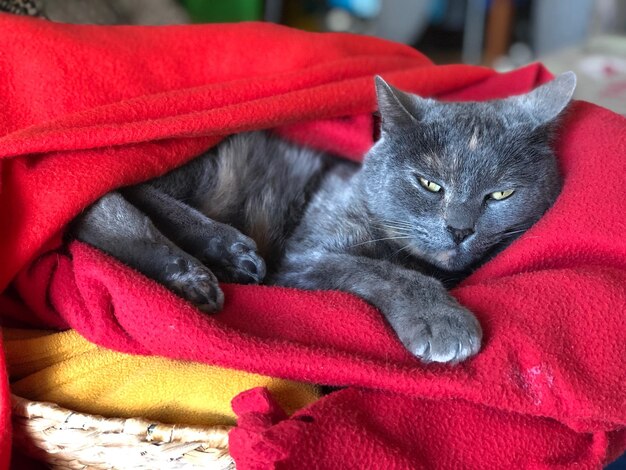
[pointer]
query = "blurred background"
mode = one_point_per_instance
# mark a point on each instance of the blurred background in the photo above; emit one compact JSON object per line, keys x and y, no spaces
{"x":587,"y":36}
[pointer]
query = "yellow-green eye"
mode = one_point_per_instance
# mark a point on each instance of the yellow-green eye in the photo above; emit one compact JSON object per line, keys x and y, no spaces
{"x":429,"y":185}
{"x":499,"y":195}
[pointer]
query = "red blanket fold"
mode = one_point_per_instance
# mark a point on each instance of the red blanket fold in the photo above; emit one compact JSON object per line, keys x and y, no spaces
{"x":547,"y":389}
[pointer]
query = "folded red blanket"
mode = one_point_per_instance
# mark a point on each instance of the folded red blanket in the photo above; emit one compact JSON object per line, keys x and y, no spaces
{"x":87,"y":109}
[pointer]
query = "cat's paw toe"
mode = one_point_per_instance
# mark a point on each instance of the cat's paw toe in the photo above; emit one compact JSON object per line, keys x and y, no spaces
{"x":448,"y":336}
{"x":195,"y":283}
{"x":238,"y":260}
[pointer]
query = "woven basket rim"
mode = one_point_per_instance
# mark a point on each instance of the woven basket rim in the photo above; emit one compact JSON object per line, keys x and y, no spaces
{"x":152,"y":431}
{"x":68,"y":439}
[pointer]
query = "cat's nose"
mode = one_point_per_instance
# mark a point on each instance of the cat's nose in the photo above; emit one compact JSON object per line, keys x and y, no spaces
{"x":460,"y":234}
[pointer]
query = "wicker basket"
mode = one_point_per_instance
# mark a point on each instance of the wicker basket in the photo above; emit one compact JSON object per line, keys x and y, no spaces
{"x":65,"y":439}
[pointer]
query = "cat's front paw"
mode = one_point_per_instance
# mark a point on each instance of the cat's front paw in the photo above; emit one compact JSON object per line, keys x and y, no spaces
{"x":448,"y":334}
{"x":234,"y":258}
{"x":195,"y":283}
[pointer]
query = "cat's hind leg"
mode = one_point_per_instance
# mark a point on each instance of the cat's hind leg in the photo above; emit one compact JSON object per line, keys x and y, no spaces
{"x":230,"y":254}
{"x":120,"y":229}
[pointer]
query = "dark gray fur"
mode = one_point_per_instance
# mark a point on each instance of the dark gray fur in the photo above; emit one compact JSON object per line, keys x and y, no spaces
{"x":323,"y":223}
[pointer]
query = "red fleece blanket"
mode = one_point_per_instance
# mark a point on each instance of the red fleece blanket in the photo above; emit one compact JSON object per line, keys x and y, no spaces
{"x":87,"y":109}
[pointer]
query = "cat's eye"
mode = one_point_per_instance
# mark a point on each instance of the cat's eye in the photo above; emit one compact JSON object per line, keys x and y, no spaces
{"x":500,"y":195}
{"x":429,"y":185}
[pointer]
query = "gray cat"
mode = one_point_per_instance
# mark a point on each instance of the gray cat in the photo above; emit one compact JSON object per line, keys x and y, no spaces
{"x":446,"y":187}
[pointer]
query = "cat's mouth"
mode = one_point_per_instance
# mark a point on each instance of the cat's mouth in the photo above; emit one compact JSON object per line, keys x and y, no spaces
{"x":455,"y":259}
{"x":446,"y":256}
{"x":452,"y":259}
{"x":443,"y":259}
{"x":446,"y":259}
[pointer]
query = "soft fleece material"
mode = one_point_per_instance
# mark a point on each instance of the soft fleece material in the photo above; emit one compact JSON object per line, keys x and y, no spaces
{"x":87,"y":109}
{"x":65,"y":368}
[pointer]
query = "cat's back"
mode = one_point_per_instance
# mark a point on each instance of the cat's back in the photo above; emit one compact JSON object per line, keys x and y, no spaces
{"x":256,"y":181}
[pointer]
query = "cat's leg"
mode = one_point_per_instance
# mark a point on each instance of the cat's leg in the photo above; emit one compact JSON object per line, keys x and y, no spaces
{"x":427,"y":319}
{"x":118,"y":228}
{"x":231,"y":255}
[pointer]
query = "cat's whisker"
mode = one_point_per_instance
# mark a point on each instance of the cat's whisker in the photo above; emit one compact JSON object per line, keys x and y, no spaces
{"x":378,"y":240}
{"x":393,"y":222}
{"x":405,"y":247}
{"x":398,"y":223}
{"x":451,"y":279}
{"x":408,"y":229}
{"x":514,"y":232}
{"x":396,"y":230}
{"x":391,"y":226}
{"x":394,"y":227}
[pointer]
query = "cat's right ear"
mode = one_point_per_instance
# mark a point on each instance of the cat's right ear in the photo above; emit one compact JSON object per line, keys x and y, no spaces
{"x":396,"y":107}
{"x":545,"y":103}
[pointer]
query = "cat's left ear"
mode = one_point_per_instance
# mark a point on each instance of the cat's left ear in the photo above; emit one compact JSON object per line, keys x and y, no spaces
{"x":398,"y":108}
{"x":546,"y":102}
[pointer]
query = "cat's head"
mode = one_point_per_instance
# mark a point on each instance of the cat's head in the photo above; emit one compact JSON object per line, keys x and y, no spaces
{"x":454,"y":180}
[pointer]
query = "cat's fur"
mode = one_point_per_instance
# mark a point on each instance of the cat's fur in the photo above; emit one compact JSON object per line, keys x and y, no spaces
{"x":324,"y":223}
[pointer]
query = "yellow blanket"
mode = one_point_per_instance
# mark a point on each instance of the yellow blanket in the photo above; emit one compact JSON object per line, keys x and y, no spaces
{"x":66,"y":369}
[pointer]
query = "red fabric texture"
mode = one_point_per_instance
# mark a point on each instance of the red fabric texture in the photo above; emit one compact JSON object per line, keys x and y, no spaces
{"x":87,"y":109}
